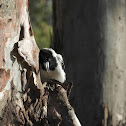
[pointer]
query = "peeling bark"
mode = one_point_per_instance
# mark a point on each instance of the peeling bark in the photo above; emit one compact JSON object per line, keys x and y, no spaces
{"x":4,"y":77}
{"x":24,"y":100}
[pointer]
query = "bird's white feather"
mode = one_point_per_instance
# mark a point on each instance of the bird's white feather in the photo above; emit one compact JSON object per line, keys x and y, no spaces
{"x":57,"y":74}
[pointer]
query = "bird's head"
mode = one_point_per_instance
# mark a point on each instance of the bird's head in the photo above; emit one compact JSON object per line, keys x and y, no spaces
{"x":49,"y":59}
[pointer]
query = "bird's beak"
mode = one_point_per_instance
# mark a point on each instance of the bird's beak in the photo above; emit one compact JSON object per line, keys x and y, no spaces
{"x":46,"y":65}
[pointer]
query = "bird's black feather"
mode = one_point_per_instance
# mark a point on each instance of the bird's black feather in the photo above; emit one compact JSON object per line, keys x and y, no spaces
{"x":47,"y":56}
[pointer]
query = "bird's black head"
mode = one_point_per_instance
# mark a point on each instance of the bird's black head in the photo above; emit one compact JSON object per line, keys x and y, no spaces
{"x":47,"y":59}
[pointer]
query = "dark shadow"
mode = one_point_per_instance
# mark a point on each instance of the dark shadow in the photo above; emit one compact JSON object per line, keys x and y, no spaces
{"x":78,"y":36}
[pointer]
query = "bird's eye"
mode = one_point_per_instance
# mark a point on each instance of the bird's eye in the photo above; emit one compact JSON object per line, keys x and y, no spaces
{"x":63,"y":65}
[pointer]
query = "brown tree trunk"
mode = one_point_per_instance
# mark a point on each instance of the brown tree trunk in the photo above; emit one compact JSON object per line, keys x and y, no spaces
{"x":18,"y":60}
{"x":91,"y":35}
{"x":23,"y":98}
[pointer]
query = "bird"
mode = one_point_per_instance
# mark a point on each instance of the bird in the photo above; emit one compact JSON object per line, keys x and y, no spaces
{"x":51,"y":65}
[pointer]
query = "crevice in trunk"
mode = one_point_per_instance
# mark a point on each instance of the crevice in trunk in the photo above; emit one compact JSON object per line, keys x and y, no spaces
{"x":21,"y":37}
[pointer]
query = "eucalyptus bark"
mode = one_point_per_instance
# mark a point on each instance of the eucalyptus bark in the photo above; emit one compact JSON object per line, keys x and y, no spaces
{"x":91,"y":35}
{"x":114,"y":77}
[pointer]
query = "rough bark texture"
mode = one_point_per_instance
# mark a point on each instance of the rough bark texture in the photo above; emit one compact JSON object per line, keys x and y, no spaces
{"x":24,"y":100}
{"x":91,"y":35}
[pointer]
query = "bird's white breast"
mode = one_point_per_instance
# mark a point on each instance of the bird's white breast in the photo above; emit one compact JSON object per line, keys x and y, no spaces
{"x":58,"y":74}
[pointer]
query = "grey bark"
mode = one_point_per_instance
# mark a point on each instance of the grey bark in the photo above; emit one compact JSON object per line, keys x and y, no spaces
{"x":91,"y":37}
{"x":24,"y":100}
{"x":114,"y":38}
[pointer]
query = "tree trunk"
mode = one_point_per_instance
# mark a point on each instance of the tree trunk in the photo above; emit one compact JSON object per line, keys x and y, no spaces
{"x":23,"y":98}
{"x":18,"y":60}
{"x":114,"y":38}
{"x":91,"y":37}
